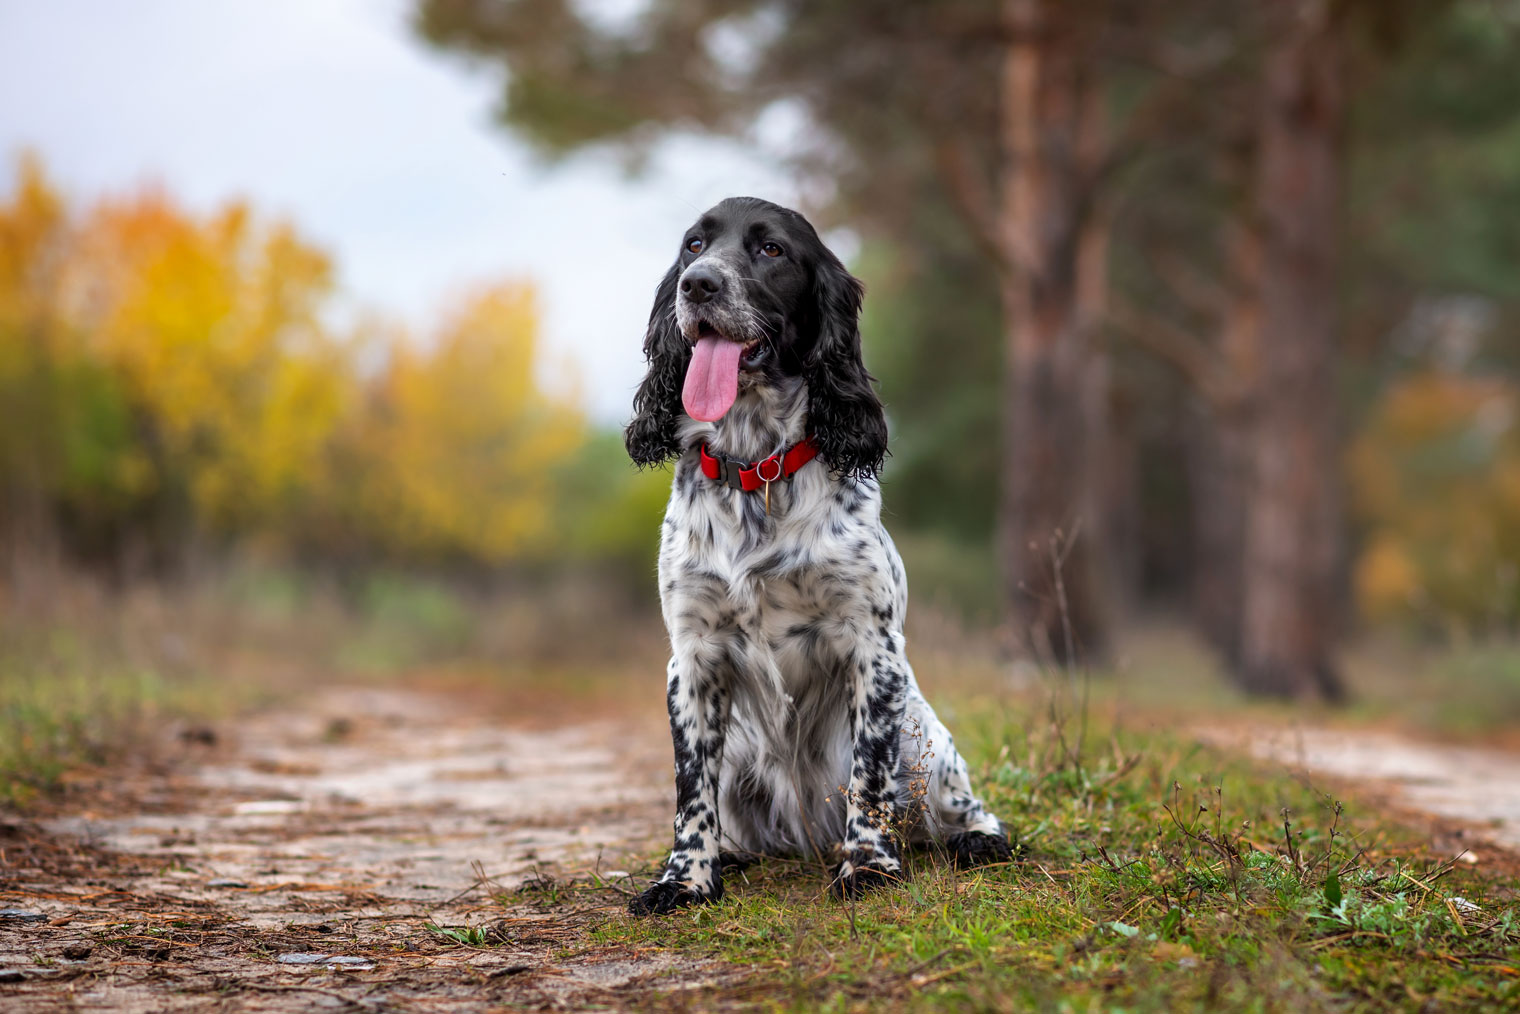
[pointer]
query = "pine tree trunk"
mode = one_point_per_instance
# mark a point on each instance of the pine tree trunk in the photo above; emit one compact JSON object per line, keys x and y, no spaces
{"x":1220,"y":453}
{"x":1219,"y":475}
{"x":1291,"y":531}
{"x":1052,"y":293}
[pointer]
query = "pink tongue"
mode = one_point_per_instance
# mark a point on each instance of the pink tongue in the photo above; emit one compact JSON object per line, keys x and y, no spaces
{"x":712,"y":379}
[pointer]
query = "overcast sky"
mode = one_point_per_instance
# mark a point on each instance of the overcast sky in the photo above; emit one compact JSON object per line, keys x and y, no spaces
{"x":382,"y":151}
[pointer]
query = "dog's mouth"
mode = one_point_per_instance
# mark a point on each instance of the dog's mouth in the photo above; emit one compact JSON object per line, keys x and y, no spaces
{"x":754,"y":351}
{"x":712,"y":376}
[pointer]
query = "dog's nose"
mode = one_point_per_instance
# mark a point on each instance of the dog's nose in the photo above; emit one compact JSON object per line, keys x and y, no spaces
{"x":701,"y":283}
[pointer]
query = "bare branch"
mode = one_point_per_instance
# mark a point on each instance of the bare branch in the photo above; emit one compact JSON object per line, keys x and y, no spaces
{"x":1181,"y":86}
{"x":972,"y":196}
{"x":1192,"y":286}
{"x":1193,"y":358}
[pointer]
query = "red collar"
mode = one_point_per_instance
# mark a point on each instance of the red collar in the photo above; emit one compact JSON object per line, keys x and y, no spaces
{"x":750,"y":477}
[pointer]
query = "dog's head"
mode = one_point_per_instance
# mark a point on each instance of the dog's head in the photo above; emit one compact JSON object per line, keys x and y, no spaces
{"x":754,"y":297}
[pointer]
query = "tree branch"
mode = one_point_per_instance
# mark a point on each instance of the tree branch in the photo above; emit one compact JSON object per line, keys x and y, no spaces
{"x":1180,"y":87}
{"x":1199,"y":364}
{"x":972,"y":197}
{"x":1192,"y":286}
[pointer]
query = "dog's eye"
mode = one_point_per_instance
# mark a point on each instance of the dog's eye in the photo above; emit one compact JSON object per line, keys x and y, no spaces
{"x":771,"y":250}
{"x":694,"y":245}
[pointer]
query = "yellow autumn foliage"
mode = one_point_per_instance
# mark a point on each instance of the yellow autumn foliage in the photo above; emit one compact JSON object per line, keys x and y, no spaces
{"x":62,"y":444}
{"x":1435,"y":479}
{"x":213,"y":329}
{"x":31,"y":231}
{"x":167,"y":375}
{"x":463,"y":438}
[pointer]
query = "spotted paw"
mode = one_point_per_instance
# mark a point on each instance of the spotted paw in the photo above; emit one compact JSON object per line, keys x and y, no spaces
{"x":978,"y":848}
{"x":852,"y":879}
{"x":665,"y":896}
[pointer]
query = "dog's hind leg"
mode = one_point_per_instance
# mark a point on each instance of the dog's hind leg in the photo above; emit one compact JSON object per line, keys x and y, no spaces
{"x":973,"y":835}
{"x":937,"y":780}
{"x":699,"y":705}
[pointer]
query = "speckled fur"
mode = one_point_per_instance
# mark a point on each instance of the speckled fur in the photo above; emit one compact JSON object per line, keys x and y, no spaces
{"x":797,"y":723}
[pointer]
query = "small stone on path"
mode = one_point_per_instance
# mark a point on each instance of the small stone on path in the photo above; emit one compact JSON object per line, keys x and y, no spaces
{"x":327,"y":960}
{"x":20,"y":915}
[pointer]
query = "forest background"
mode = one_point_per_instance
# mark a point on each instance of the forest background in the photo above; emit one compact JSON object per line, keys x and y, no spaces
{"x":1210,"y":310}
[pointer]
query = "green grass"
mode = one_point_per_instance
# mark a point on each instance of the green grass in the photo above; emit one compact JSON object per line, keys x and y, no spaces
{"x":470,"y":936}
{"x":1157,"y":877}
{"x":63,"y":706}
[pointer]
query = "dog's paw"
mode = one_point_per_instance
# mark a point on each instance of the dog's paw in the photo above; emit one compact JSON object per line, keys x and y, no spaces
{"x":736,"y":862}
{"x":665,"y":896}
{"x":861,"y":873}
{"x":978,"y":848}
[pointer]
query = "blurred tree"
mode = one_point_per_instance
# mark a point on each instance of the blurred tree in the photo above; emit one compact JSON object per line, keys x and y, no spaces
{"x":1293,"y":513}
{"x":923,"y":298}
{"x":1434,"y":308}
{"x":998,"y":109}
{"x":1263,"y":469}
{"x":169,"y":382}
{"x":463,"y":442}
{"x":1436,"y":478}
{"x":1429,"y":130}
{"x":1053,"y":245}
{"x":67,"y":448}
{"x":32,"y":229}
{"x":213,"y":327}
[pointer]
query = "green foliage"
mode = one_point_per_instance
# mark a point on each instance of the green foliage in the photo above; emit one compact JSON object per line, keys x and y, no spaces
{"x":1435,"y":192}
{"x":607,"y":511}
{"x":470,"y":936}
{"x":930,"y":334}
{"x":948,"y":574}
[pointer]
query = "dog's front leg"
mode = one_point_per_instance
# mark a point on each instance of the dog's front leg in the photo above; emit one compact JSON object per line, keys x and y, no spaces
{"x":871,"y":852}
{"x":698,"y":704}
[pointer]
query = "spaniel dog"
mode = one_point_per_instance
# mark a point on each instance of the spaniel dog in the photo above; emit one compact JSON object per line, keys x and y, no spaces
{"x":798,"y":725}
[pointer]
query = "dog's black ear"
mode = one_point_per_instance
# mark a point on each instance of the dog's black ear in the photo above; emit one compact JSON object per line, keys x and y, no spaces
{"x":651,"y":435}
{"x":844,"y":413}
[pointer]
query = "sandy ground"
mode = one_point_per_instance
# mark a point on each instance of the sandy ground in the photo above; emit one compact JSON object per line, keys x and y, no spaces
{"x":298,"y":867}
{"x":293,"y":861}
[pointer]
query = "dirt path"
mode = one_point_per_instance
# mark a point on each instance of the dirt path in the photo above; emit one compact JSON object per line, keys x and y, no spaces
{"x":298,"y":868}
{"x":1473,"y":785}
{"x":293,"y":861}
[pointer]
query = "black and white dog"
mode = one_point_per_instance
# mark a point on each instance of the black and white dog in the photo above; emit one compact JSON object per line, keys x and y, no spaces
{"x":797,"y":722}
